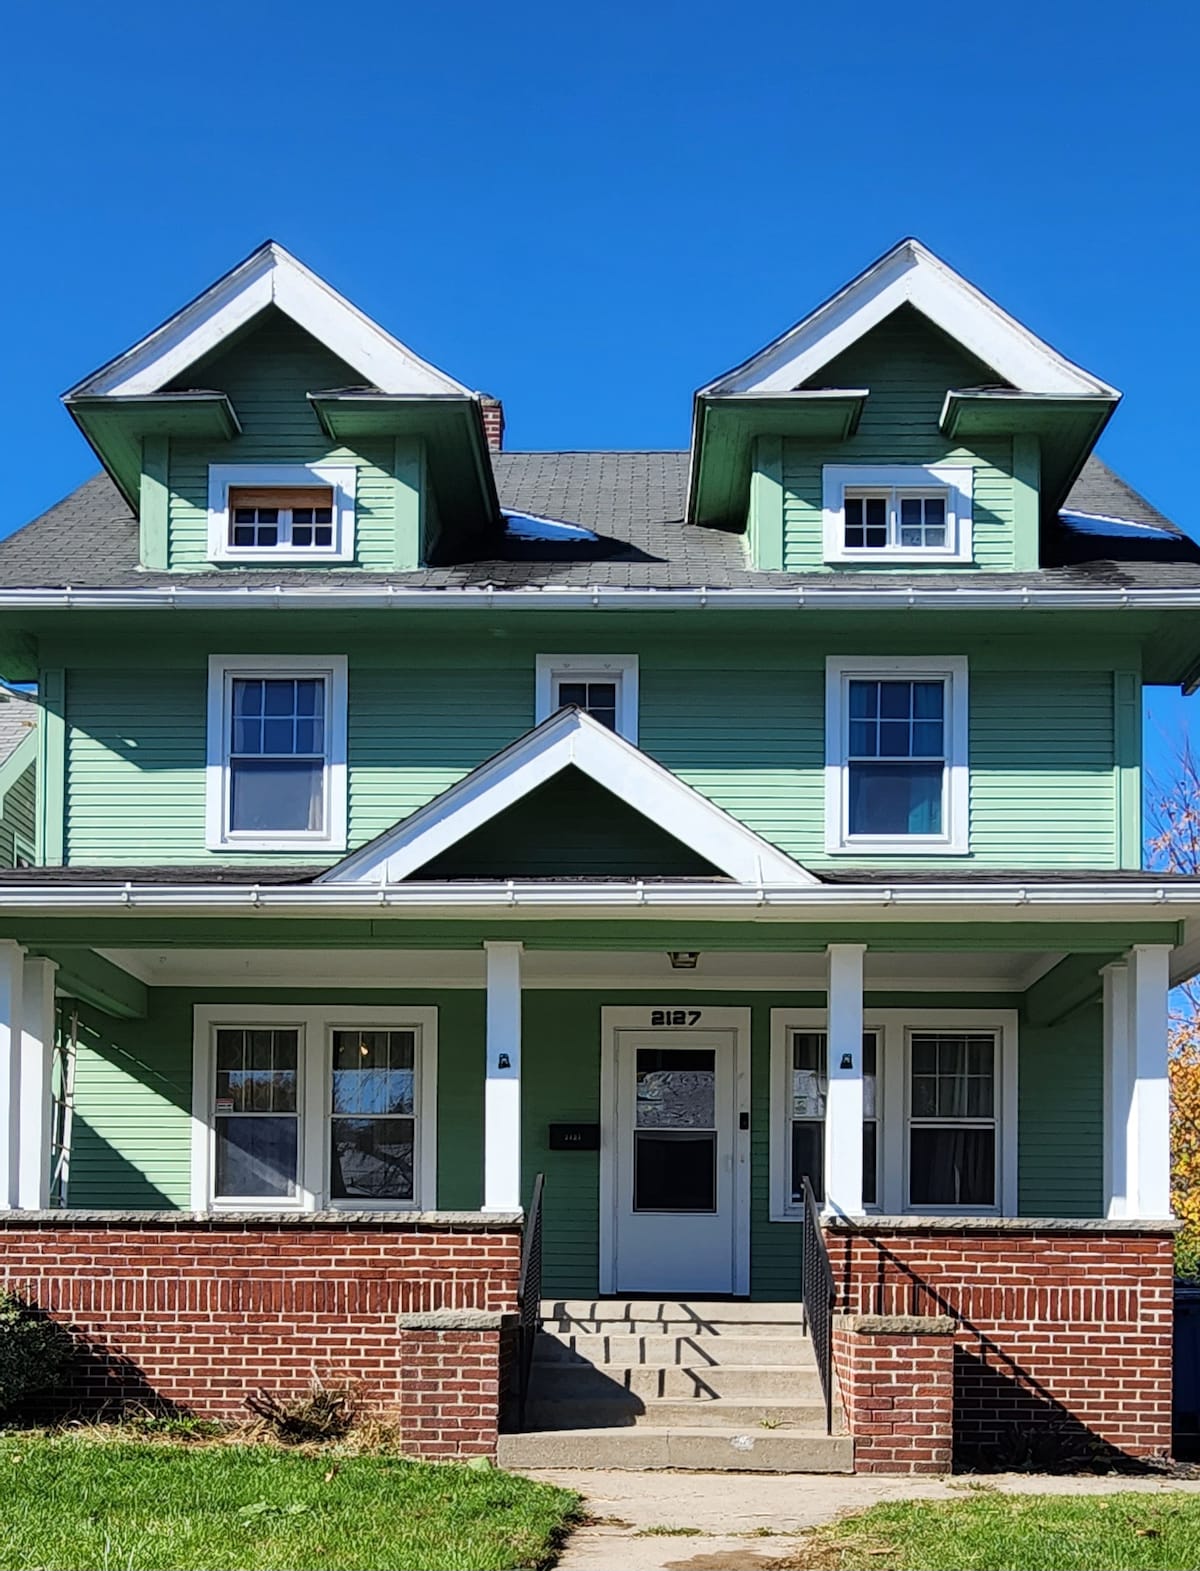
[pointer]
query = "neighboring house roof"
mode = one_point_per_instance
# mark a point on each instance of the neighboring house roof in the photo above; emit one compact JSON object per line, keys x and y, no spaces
{"x":18,"y":721}
{"x":633,"y":503}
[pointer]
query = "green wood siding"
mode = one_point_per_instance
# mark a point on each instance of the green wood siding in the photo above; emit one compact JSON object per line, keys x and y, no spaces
{"x":909,"y":366}
{"x":268,"y":376}
{"x":1061,"y":1110}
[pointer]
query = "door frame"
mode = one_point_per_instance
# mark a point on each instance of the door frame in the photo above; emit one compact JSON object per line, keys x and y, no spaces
{"x":653,"y":1021}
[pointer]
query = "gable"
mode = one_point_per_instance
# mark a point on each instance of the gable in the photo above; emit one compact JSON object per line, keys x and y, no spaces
{"x":569,"y":827}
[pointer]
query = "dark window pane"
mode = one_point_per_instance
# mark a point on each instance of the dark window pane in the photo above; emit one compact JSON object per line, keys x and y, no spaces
{"x":929,"y":700}
{"x":324,"y":535}
{"x":895,"y":799}
{"x":895,"y":700}
{"x":301,"y":535}
{"x":572,"y":693}
{"x":371,"y":1158}
{"x":256,"y":1157}
{"x":268,"y":536}
{"x":674,"y":1170}
{"x":952,"y":1167}
{"x":870,"y":1163}
{"x":276,"y":794}
{"x":864,"y":700}
{"x":808,"y":1158}
{"x":876,"y":511}
{"x":247,"y":696}
{"x":935,"y":510}
{"x":279,"y":697}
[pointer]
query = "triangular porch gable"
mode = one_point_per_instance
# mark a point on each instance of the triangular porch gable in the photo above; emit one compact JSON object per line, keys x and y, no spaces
{"x":569,"y":739}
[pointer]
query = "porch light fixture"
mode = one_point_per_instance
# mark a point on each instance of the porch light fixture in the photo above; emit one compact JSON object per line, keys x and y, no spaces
{"x":683,"y":959}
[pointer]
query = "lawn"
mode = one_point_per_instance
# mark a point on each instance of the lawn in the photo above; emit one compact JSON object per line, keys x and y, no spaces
{"x":988,"y":1531}
{"x":73,"y":1501}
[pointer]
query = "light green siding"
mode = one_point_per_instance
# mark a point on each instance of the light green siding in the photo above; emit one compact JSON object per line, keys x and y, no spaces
{"x":1060,"y":1094}
{"x":909,"y":366}
{"x":268,"y":376}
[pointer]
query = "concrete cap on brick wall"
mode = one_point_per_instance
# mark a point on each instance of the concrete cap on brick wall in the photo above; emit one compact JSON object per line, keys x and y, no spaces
{"x":897,"y":1325}
{"x":868,"y":1226}
{"x":214,"y":1221}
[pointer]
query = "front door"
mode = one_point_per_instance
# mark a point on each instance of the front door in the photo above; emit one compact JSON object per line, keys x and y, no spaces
{"x":674,"y":1151}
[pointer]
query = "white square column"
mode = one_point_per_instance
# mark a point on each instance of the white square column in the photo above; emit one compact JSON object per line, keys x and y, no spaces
{"x":844,"y":1100}
{"x":1148,"y":1125}
{"x":12,"y":1020}
{"x":36,"y":1099}
{"x":502,"y":1086}
{"x":1118,"y":1087}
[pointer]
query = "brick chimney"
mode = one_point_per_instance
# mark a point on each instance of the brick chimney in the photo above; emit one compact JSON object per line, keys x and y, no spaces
{"x":493,"y":421}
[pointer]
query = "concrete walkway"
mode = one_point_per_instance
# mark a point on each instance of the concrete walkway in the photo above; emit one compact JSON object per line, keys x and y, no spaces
{"x":745,"y":1521}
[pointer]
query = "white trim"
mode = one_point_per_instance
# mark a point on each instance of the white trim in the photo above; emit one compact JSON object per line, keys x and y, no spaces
{"x":269,"y":276}
{"x":342,"y":479}
{"x":12,"y":1019}
{"x":623,"y":669}
{"x":954,"y":838}
{"x":37,"y":1055}
{"x":844,"y":1096}
{"x":502,"y":1078}
{"x":315,"y":1024}
{"x":910,"y":274}
{"x":569,"y":738}
{"x":955,"y":481}
{"x":636,"y":1018}
{"x":1148,"y":1131}
{"x":332,"y":669}
{"x":892,"y":1062}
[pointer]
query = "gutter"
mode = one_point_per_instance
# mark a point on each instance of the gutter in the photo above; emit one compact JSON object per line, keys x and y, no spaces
{"x":596,"y":899}
{"x":906,"y":597}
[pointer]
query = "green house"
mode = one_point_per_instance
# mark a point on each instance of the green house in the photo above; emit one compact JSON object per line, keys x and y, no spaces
{"x":730,"y":837}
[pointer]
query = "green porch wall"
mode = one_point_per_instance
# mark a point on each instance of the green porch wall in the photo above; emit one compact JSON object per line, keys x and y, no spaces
{"x":268,"y":374}
{"x":909,"y":366}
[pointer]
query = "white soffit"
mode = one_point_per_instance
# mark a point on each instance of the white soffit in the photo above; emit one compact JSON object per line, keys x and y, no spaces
{"x":910,"y":274}
{"x":269,"y":276}
{"x":569,"y":738}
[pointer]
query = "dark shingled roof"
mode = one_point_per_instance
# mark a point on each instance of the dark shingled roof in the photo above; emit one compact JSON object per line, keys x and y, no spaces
{"x":634,"y":502}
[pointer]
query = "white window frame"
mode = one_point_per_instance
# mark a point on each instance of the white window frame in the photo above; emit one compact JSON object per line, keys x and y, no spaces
{"x":953,"y":481}
{"x":332,"y":669}
{"x":342,"y":480}
{"x":621,"y":669}
{"x":316,"y":1025}
{"x":954,"y":839}
{"x":893,"y":1096}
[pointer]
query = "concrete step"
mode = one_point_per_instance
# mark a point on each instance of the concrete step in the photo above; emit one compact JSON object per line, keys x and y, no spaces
{"x":621,"y":1411}
{"x":567,"y":1325}
{"x":694,"y":1351}
{"x":693,"y":1448}
{"x":558,"y":1378}
{"x":714,"y":1311}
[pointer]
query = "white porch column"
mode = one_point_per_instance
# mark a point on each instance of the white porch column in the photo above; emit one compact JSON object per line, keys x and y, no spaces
{"x":12,"y":1015}
{"x":502,"y":1088}
{"x":1118,"y":1086}
{"x":37,"y":1056}
{"x":1148,"y":1130}
{"x":844,"y":1104}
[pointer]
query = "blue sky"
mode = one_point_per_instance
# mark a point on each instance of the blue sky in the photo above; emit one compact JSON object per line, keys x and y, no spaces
{"x":590,"y":211}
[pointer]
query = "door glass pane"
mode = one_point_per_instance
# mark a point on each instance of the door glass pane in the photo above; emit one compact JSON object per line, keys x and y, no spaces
{"x":674,"y":1170}
{"x":371,"y":1158}
{"x":256,"y":1158}
{"x":676,"y":1088}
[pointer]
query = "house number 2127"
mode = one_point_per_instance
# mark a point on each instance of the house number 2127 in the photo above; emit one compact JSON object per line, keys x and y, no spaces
{"x":675,"y":1017}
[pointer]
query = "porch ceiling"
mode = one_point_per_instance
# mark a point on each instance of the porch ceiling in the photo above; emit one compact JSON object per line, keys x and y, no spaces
{"x":920,"y":971}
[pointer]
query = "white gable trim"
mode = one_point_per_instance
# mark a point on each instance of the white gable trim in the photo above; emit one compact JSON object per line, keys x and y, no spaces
{"x":569,"y":738}
{"x":910,"y":274}
{"x":270,"y":276}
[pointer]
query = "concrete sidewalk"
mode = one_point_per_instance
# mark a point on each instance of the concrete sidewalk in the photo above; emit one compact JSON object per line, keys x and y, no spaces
{"x":744,"y":1521}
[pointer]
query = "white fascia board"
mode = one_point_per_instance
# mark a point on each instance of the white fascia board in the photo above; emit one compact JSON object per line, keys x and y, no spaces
{"x":910,"y":274}
{"x":270,"y":276}
{"x":569,"y":738}
{"x":798,"y":597}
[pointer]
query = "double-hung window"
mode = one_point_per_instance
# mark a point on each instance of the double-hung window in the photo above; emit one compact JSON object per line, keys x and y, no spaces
{"x":897,"y":514}
{"x":281,"y":512}
{"x":300,"y":1109}
{"x":896,"y":755}
{"x":276,"y":753}
{"x":602,"y":686}
{"x":952,"y":1120}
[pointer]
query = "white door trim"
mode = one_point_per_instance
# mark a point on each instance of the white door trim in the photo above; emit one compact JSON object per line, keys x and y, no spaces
{"x":649,"y":1019}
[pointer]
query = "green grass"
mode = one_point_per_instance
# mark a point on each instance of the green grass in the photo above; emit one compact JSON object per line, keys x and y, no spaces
{"x":77,"y":1503}
{"x":994,"y":1532}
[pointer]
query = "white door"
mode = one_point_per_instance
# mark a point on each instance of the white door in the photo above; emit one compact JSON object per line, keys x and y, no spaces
{"x":675,"y":1151}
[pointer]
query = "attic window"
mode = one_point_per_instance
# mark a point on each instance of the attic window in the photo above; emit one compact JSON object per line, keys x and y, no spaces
{"x":281,"y":513}
{"x":897,"y":515}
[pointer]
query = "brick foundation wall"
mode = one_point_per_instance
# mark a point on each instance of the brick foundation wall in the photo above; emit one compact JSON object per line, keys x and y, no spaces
{"x":1060,"y":1327}
{"x":196,"y":1312}
{"x":896,"y":1378}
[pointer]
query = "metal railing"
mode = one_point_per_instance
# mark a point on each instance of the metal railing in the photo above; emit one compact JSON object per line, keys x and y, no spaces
{"x":529,"y":1294}
{"x":819,"y":1296}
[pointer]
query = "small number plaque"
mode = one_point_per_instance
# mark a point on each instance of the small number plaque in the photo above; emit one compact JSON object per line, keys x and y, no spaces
{"x":675,"y":1017}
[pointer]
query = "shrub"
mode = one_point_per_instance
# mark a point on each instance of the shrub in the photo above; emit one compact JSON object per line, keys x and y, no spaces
{"x":34,"y":1350}
{"x":320,"y":1413}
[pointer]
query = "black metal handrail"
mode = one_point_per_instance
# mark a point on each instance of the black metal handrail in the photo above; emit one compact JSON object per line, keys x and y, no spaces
{"x":819,"y":1296}
{"x":529,"y":1294}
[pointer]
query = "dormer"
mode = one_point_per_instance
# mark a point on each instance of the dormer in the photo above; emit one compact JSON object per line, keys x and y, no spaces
{"x":271,"y":424}
{"x":907,"y":423}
